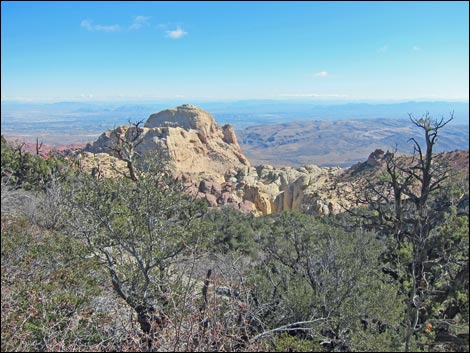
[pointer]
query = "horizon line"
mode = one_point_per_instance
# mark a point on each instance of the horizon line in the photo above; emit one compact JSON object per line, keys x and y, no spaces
{"x":303,"y":99}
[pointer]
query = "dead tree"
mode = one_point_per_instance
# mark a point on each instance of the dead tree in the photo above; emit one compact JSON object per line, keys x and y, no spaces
{"x":403,"y":207}
{"x":38,"y":146}
{"x":125,"y":147}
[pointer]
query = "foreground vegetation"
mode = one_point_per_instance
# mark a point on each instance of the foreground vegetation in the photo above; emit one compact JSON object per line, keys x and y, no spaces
{"x":132,"y":264}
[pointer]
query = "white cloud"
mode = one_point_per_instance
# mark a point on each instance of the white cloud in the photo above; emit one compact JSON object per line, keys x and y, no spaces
{"x":139,"y":22}
{"x":321,"y":74}
{"x":88,"y":25}
{"x":176,"y":34}
{"x":111,"y":28}
{"x":416,"y":48}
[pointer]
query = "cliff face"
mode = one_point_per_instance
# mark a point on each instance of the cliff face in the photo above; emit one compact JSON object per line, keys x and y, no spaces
{"x":195,"y":144}
{"x":264,"y":190}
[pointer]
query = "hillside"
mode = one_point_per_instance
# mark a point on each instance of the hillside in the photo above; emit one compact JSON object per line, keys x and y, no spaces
{"x":337,"y":143}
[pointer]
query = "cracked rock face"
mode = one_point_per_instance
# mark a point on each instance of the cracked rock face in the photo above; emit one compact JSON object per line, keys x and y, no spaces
{"x":309,"y":188}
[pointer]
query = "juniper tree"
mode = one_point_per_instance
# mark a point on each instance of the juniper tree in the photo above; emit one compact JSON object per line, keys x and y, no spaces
{"x":136,"y":228}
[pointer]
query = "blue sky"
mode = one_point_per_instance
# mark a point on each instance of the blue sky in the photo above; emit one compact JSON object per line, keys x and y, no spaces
{"x":55,"y":51}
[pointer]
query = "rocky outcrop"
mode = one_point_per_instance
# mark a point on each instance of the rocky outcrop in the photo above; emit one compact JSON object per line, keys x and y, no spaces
{"x":310,"y":188}
{"x":264,"y":190}
{"x":229,"y":135}
{"x":102,"y":165}
{"x":218,"y":194}
{"x":186,"y":116}
{"x":194,"y":143}
{"x":375,"y":158}
{"x":211,"y":165}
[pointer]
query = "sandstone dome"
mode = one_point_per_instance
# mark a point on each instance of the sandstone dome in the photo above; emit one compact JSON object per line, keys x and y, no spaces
{"x":195,"y":144}
{"x":186,"y":116}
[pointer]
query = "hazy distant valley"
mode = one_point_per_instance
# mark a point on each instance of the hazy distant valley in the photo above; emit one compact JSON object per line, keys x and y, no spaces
{"x":338,"y":142}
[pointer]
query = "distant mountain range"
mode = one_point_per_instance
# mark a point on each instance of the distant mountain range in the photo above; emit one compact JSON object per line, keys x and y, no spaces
{"x":264,"y":111}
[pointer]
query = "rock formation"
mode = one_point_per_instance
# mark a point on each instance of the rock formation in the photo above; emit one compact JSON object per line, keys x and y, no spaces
{"x":310,"y":188}
{"x":209,"y":160}
{"x":102,"y":165}
{"x":189,"y":136}
{"x":375,"y":158}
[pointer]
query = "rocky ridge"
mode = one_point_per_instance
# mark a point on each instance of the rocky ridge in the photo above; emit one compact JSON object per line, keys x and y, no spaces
{"x":209,"y":161}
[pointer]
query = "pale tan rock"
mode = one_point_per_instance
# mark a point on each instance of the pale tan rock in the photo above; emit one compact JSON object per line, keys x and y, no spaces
{"x":194,"y":143}
{"x":211,"y":199}
{"x":102,"y":165}
{"x":247,"y":206}
{"x":262,"y":201}
{"x":186,"y":116}
{"x":309,"y":188}
{"x":229,"y":134}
